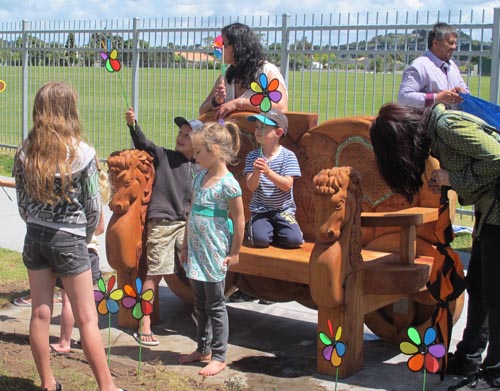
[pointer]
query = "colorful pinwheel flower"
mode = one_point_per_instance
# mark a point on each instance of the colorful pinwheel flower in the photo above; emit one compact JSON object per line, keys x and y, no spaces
{"x":423,"y":353}
{"x":265,"y":93}
{"x":3,"y":86}
{"x":112,"y":62}
{"x":107,"y":298}
{"x":335,"y":348}
{"x":139,"y":301}
{"x":218,"y":47}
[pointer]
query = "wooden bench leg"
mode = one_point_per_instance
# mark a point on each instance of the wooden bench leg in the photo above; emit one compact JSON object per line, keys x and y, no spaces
{"x":350,"y":316}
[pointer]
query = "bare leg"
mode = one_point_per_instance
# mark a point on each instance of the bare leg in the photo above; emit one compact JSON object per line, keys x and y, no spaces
{"x":145,"y":325}
{"x":212,"y":368}
{"x":79,"y":289}
{"x":67,"y":323}
{"x":195,"y":356}
{"x":42,"y":284}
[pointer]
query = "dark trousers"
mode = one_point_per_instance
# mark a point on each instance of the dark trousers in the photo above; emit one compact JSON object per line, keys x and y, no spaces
{"x":211,"y":314}
{"x":483,"y":312}
{"x":278,"y":228}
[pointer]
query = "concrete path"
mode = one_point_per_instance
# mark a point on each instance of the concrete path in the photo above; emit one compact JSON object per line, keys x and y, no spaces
{"x":271,"y":347}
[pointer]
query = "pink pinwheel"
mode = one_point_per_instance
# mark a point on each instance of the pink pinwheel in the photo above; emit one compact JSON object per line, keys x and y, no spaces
{"x":264,"y":93}
{"x":107,"y":299}
{"x":423,"y":353}
{"x":3,"y":86}
{"x":219,"y":52}
{"x":218,"y":47}
{"x":139,"y":301}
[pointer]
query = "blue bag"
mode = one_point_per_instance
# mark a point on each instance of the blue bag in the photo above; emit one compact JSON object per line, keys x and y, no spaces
{"x":487,"y":111}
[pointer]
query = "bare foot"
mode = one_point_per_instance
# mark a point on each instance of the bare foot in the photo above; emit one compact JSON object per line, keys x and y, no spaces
{"x":212,"y":368}
{"x":59,"y":349}
{"x":195,"y":356}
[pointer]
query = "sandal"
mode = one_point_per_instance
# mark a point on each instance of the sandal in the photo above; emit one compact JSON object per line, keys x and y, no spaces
{"x":153,"y":342}
{"x":58,"y":387}
{"x":25,"y":301}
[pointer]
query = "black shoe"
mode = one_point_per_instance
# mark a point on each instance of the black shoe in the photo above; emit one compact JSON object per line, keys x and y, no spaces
{"x":460,"y":365}
{"x":479,"y":381}
{"x":240,"y":297}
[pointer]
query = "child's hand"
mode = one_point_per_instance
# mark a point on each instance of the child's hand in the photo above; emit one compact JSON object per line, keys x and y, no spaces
{"x":230,"y":260}
{"x":260,"y":166}
{"x":130,"y":117}
{"x":183,"y":258}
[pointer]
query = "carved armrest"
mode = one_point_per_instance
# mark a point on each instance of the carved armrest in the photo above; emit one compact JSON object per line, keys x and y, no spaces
{"x":407,"y":220}
{"x":7,"y":182}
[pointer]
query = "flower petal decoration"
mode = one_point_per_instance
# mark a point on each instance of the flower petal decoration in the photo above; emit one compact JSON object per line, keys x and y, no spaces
{"x":265,"y":93}
{"x":112,"y":63}
{"x":107,"y":299}
{"x":423,"y":353}
{"x":3,"y":86}
{"x":335,"y":349}
{"x":139,"y":301}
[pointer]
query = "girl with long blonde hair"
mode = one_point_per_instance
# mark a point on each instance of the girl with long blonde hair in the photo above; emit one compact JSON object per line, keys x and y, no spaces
{"x":57,"y":186}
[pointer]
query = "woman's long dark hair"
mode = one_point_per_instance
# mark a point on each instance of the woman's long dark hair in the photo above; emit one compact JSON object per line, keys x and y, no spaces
{"x":401,"y":146}
{"x":248,"y":54}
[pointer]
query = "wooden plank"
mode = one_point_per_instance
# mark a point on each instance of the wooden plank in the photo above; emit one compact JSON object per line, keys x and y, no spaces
{"x":409,"y":216}
{"x":273,"y":262}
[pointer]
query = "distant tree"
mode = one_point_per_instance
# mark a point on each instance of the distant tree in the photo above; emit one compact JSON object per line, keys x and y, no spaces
{"x":71,"y":55}
{"x":35,"y":57}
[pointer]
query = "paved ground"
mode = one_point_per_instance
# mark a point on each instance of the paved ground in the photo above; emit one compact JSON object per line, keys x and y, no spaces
{"x":271,"y":347}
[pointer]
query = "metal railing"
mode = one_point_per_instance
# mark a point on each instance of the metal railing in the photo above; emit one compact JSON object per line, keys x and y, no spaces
{"x":335,"y":65}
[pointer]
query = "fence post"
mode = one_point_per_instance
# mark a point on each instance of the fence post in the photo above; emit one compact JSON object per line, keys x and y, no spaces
{"x":495,"y":56}
{"x":24,"y":48}
{"x":135,"y":65}
{"x":284,"y":47}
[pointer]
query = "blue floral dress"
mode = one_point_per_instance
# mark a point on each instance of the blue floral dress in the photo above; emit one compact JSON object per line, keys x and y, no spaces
{"x":209,"y":228}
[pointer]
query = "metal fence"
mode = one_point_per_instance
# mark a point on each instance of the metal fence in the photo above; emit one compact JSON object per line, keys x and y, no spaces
{"x":336,"y":65}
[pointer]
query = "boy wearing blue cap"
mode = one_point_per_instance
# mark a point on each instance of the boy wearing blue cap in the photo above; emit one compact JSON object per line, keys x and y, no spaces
{"x":270,"y":172}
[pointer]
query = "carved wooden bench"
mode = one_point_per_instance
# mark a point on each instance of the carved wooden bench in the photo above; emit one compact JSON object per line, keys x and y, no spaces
{"x":375,"y":274}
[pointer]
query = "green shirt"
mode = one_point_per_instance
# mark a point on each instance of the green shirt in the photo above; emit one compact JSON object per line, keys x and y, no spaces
{"x":469,"y":149}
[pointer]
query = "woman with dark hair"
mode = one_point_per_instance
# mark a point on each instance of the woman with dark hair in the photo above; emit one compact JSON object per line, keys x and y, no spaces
{"x":244,"y":54}
{"x":468,"y":150}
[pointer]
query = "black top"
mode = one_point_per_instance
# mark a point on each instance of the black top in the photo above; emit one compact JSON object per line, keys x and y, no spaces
{"x":172,"y":188}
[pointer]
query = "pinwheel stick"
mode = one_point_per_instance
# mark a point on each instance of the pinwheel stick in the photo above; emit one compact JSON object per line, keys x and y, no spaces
{"x":123,"y":90}
{"x":140,"y":349}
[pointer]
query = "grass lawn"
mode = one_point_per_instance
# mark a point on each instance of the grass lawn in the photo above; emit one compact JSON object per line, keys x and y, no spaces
{"x":166,"y":93}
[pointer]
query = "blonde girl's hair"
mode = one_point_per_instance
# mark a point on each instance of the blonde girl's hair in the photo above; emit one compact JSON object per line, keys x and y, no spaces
{"x":104,"y":185}
{"x":224,"y":134}
{"x":52,"y":144}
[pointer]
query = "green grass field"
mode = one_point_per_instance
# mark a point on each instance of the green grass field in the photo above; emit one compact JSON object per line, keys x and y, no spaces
{"x":165,"y":93}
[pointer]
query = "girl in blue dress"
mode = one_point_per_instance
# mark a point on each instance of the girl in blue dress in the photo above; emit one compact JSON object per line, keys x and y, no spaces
{"x":214,"y":233}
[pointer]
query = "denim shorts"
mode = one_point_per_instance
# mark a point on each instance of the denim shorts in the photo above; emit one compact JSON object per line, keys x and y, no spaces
{"x":64,"y":253}
{"x":94,"y":266}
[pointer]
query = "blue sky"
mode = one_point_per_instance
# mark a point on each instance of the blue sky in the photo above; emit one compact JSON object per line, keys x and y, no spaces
{"x":17,"y":10}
